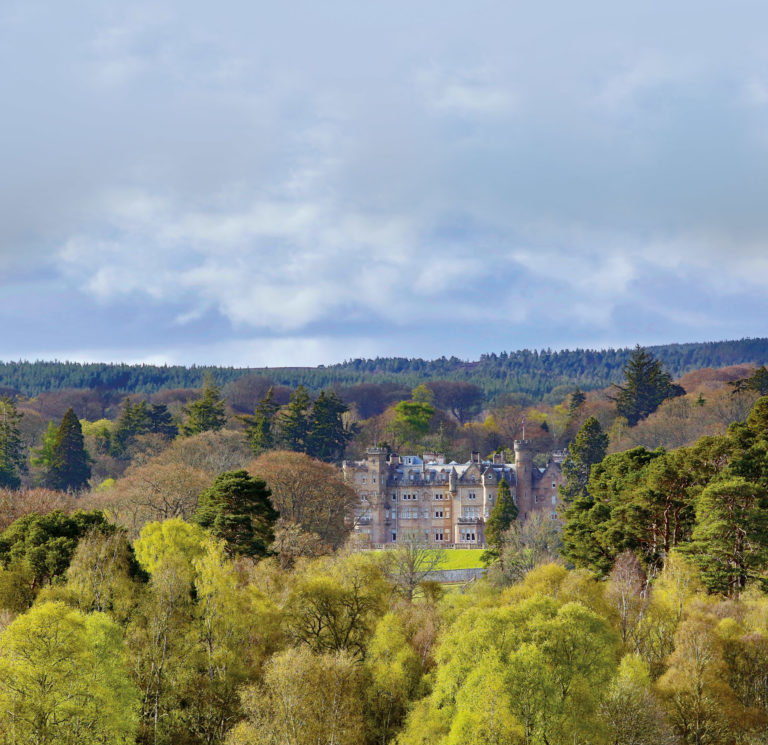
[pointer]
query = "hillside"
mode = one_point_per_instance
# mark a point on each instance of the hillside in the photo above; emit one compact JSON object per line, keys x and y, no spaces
{"x":535,"y":373}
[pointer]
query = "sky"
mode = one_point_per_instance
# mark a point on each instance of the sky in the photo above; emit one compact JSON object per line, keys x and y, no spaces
{"x":298,"y":183}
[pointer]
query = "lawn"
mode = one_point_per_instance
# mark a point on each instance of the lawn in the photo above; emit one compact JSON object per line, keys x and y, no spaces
{"x":462,"y":558}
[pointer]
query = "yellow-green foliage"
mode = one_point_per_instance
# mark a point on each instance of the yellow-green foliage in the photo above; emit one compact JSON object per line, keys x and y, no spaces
{"x":64,"y":673}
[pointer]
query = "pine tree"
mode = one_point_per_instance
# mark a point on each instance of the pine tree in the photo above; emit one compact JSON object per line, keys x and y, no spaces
{"x":207,"y":413}
{"x":13,"y":456}
{"x":237,"y":509}
{"x":260,"y":426}
{"x":578,"y":397}
{"x":328,"y":437}
{"x":293,"y":421}
{"x":587,"y":448}
{"x":730,"y":538}
{"x":503,"y":514}
{"x":646,"y":385}
{"x":69,"y":468}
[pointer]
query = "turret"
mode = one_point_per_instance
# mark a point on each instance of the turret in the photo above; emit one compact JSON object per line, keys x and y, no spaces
{"x":524,"y":473}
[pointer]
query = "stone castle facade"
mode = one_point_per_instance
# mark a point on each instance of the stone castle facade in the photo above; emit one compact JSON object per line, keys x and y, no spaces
{"x":426,"y":499}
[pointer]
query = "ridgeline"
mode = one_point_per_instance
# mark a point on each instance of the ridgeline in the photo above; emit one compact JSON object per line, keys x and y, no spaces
{"x":535,"y":373}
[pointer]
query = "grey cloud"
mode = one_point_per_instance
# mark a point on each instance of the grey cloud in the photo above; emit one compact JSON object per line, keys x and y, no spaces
{"x":258,"y":171}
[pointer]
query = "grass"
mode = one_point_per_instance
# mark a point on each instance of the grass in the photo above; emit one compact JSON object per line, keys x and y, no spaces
{"x":461,"y":558}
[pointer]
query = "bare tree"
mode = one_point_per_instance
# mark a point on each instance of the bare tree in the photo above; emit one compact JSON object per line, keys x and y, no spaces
{"x":627,"y":593}
{"x":411,"y":563}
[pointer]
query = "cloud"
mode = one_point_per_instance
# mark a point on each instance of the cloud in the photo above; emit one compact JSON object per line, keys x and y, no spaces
{"x":437,"y":177}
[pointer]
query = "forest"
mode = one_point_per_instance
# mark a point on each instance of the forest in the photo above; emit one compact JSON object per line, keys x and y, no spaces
{"x":535,"y":373}
{"x":179,"y":568}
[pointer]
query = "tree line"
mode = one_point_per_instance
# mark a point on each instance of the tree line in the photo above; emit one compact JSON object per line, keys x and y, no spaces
{"x":536,"y":373}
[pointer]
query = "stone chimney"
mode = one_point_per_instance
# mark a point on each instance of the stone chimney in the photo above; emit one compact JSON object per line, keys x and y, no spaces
{"x":475,"y":456}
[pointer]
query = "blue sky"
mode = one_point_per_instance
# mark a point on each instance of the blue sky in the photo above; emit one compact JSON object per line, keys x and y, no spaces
{"x":300,"y":182}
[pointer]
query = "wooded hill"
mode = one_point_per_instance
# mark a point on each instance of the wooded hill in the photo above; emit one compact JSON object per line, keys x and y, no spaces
{"x":536,"y":373}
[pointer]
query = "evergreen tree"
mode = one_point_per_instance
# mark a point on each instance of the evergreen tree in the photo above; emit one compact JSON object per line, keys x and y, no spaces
{"x":294,"y":421}
{"x":328,"y":437}
{"x":503,"y":514}
{"x":730,"y":538}
{"x":69,"y":468}
{"x":646,"y":385}
{"x":13,"y":456}
{"x":587,"y":448}
{"x":160,"y":421}
{"x":260,"y":426}
{"x":578,"y":397}
{"x":237,"y":509}
{"x":207,"y":413}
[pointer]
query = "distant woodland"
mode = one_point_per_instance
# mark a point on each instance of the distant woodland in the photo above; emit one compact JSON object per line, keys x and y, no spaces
{"x":541,"y":374}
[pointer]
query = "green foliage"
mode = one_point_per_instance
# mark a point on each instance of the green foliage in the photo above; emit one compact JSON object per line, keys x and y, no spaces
{"x":587,"y":448}
{"x":294,"y":421}
{"x":758,"y":381}
{"x":536,"y":373}
{"x":142,"y":418}
{"x":237,"y":509}
{"x":411,"y":421}
{"x":730,"y":539}
{"x":64,"y":679}
{"x":260,"y":426}
{"x":43,"y":456}
{"x":646,"y":385}
{"x":69,"y":468}
{"x":207,"y":413}
{"x":44,"y":544}
{"x":13,"y":451}
{"x":503,"y":514}
{"x":328,"y":437}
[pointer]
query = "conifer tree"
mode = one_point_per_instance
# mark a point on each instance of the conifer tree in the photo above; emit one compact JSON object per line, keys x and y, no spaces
{"x":328,"y":437}
{"x":294,"y":421}
{"x":207,"y":413}
{"x":646,"y":385}
{"x":730,"y":538}
{"x":503,"y":514}
{"x":69,"y":468}
{"x":587,"y":448}
{"x":260,"y":426}
{"x":13,"y":457}
{"x":237,"y":509}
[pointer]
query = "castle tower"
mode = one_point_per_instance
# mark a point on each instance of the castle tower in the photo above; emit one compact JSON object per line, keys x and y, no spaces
{"x":524,"y":474}
{"x":376,"y":462}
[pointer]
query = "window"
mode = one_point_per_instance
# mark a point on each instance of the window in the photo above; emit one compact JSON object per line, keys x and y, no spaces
{"x":438,"y":513}
{"x":467,"y":536}
{"x":471,"y":495}
{"x":362,"y":478}
{"x":394,"y":536}
{"x":447,"y":511}
{"x":438,"y":496}
{"x":554,"y":485}
{"x":535,"y":498}
{"x":416,"y":497}
{"x":490,"y":496}
{"x":394,"y":497}
{"x":439,"y":535}
{"x":373,"y":479}
{"x":554,"y":499}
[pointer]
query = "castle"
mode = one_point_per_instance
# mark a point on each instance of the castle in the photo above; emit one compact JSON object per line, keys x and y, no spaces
{"x":426,"y":499}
